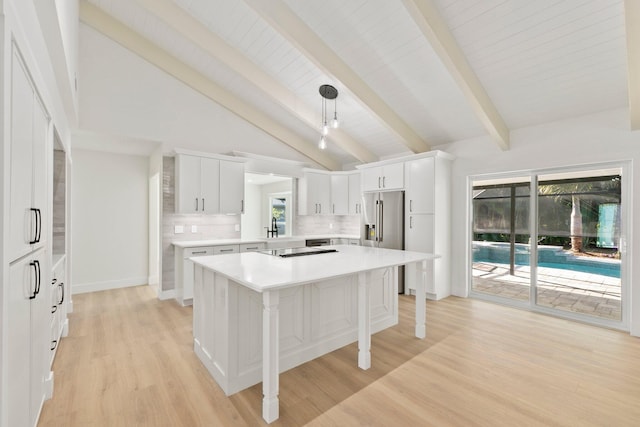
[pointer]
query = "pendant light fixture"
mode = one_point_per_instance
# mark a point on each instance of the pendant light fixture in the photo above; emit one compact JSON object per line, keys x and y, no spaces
{"x":328,"y":92}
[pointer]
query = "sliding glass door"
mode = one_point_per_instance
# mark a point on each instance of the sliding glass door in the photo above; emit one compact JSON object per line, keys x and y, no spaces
{"x":559,"y":251}
{"x":501,"y":238}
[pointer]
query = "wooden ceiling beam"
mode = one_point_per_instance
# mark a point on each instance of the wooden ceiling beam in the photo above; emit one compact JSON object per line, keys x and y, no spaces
{"x":131,"y":40}
{"x":189,"y":27}
{"x":433,"y":27}
{"x":632,"y":24}
{"x":282,"y":19}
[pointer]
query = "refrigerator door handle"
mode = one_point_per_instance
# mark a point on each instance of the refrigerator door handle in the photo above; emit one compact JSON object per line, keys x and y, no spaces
{"x":381,"y":221}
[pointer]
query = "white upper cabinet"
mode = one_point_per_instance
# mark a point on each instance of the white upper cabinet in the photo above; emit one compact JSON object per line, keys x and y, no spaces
{"x":208,"y":185}
{"x":420,"y":185}
{"x":355,"y":194}
{"x":231,"y":187}
{"x":383,"y":178}
{"x":197,"y":184}
{"x":314,"y":193}
{"x":28,"y":176}
{"x":339,"y":194}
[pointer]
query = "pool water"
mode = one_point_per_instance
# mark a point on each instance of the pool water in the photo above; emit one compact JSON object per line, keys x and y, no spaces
{"x":548,"y":256}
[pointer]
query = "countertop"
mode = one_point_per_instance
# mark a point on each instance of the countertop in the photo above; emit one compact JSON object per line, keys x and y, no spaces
{"x":220,"y":242}
{"x":260,"y":271}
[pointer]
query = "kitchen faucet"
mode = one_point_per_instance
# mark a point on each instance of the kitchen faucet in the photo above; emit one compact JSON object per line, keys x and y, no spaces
{"x":274,"y":228}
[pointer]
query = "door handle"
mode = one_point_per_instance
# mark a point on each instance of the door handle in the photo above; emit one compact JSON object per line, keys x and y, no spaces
{"x":54,"y":344}
{"x":54,"y":308}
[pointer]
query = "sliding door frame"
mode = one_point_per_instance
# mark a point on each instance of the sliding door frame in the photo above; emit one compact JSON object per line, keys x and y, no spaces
{"x":625,"y":241}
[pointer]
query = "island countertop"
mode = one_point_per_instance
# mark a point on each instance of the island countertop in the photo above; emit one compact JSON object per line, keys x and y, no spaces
{"x":260,"y":271}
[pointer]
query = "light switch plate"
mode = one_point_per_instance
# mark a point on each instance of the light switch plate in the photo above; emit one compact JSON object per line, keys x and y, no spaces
{"x":194,"y":228}
{"x":178,"y":229}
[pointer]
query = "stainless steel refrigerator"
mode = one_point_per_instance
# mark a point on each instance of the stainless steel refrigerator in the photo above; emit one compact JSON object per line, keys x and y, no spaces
{"x":383,"y":223}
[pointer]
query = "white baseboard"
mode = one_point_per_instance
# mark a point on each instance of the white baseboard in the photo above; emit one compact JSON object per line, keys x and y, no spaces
{"x":109,"y":284}
{"x":164,"y":295}
{"x":153,"y":280}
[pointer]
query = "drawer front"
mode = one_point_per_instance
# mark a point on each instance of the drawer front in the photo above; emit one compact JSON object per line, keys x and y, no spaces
{"x":252,"y":247}
{"x":190,"y":252}
{"x":227,"y":249}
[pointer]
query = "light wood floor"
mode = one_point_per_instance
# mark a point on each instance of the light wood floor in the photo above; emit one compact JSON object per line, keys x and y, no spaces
{"x":128,"y":361}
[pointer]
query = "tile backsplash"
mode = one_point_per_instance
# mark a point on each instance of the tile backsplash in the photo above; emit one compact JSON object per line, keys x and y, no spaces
{"x":224,"y":226}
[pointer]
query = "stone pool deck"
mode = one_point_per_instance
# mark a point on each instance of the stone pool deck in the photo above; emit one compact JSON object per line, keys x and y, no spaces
{"x":574,"y":291}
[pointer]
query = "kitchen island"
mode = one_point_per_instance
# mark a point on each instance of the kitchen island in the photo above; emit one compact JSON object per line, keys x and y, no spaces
{"x":257,"y":314}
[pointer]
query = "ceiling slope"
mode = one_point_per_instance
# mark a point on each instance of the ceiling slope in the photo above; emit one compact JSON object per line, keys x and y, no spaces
{"x":115,"y":30}
{"x":435,"y":30}
{"x":191,"y":28}
{"x":632,"y":20}
{"x":290,"y":26}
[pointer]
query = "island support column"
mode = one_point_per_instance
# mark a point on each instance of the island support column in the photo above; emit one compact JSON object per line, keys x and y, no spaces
{"x":270,"y":356}
{"x":364,"y":322}
{"x":421,"y":302}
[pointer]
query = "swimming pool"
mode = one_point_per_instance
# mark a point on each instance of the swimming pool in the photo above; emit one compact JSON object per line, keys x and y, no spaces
{"x":548,"y":256}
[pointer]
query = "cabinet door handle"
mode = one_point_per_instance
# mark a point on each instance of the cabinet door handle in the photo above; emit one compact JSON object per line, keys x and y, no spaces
{"x":410,"y":205}
{"x":39,"y":212}
{"x":255,"y":248}
{"x":196,"y":204}
{"x":203,"y":204}
{"x":198,"y":252}
{"x":61,"y":285}
{"x":54,"y":308}
{"x":54,"y":344}
{"x":226,"y":250}
{"x":333,"y":208}
{"x":379,"y":183}
{"x":39,"y":281}
{"x":36,"y":269}
{"x":242,"y":206}
{"x":383,"y":184}
{"x":410,"y":222}
{"x":35,"y":230}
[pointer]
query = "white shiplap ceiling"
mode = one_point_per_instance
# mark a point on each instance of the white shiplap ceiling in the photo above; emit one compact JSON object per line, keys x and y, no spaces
{"x":411,"y":74}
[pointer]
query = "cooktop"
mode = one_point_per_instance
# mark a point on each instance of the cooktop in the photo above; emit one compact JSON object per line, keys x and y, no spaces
{"x":291,"y":252}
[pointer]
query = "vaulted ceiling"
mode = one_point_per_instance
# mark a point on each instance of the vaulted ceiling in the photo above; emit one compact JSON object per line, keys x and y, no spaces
{"x":411,"y":74}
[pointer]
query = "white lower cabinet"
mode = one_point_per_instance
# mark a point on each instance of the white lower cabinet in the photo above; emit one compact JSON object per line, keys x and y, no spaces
{"x":26,"y":363}
{"x":58,"y":296}
{"x":184,"y":266}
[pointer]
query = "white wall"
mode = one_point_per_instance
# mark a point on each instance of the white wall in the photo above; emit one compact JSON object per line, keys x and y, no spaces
{"x":122,"y":94}
{"x":591,"y":139}
{"x":110,"y":214}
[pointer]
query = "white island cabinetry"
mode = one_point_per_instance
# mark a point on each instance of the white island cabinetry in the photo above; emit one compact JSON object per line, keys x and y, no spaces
{"x":256,"y":315}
